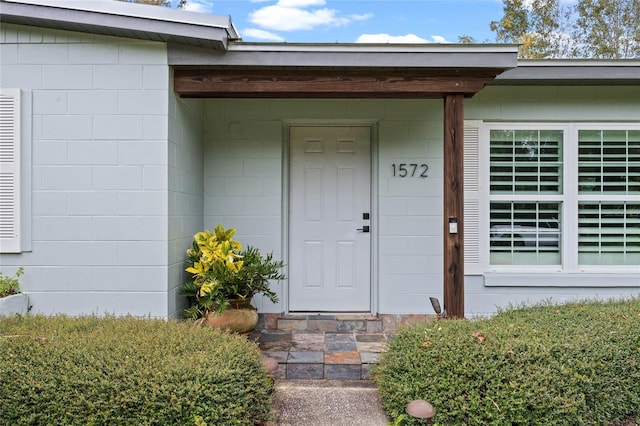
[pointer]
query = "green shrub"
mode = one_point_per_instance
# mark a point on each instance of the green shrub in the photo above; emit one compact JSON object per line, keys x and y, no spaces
{"x":576,"y":364}
{"x":125,"y":371}
{"x":10,"y":285}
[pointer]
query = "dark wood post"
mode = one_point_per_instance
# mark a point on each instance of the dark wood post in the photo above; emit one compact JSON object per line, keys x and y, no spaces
{"x":454,"y":205}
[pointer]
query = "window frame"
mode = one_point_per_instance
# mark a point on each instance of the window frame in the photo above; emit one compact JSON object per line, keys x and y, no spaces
{"x":569,"y":198}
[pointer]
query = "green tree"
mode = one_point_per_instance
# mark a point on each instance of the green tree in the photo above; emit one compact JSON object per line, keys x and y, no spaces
{"x":535,"y":25}
{"x":608,"y":28}
{"x":587,"y":29}
{"x":466,"y":39}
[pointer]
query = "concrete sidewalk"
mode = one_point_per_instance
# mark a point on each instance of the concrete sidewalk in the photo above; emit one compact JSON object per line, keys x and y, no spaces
{"x":327,"y":402}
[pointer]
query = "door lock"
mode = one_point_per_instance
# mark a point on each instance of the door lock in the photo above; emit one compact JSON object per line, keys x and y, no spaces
{"x":363,"y":229}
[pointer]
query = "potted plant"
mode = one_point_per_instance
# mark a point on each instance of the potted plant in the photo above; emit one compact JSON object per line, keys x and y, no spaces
{"x":224,"y":279}
{"x":12,"y":301}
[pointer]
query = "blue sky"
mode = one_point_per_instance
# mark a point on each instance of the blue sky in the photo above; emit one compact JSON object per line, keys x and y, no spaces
{"x":350,"y":21}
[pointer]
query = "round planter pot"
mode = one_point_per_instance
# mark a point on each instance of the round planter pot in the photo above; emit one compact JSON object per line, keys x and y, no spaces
{"x":14,"y":304}
{"x":238,"y":318}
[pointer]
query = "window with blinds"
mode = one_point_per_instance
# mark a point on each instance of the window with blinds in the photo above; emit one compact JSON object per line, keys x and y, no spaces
{"x":608,"y":194}
{"x":526,"y":187}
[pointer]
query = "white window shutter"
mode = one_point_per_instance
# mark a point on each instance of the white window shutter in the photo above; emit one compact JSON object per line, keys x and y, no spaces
{"x":472,"y":196}
{"x":9,"y":171}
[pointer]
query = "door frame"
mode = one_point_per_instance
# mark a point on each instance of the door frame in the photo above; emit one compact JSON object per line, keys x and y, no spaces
{"x":286,"y":162}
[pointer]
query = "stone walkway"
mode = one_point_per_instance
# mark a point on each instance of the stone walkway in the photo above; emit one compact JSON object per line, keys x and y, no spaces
{"x":318,"y":347}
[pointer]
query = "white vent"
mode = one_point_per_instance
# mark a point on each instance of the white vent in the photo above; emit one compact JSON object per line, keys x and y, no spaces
{"x":471,"y":195}
{"x":9,"y":171}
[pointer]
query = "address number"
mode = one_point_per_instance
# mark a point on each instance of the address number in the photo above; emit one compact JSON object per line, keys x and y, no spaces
{"x":404,"y":170}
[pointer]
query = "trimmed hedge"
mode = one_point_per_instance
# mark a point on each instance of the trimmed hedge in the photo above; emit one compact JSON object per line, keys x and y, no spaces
{"x":576,"y":364}
{"x":125,"y":371}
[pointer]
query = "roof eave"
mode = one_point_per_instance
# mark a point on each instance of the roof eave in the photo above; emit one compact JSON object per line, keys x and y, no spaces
{"x":317,"y":55}
{"x":572,"y":72}
{"x":122,"y":20}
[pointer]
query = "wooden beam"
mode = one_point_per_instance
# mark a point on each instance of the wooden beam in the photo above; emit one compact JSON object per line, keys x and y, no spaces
{"x":454,"y":205}
{"x":287,"y":83}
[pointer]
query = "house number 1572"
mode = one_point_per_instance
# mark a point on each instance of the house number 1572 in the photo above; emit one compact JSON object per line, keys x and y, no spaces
{"x":404,"y":170}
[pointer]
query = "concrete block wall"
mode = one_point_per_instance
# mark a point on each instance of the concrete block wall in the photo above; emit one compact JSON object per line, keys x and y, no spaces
{"x":99,"y":167}
{"x":186,"y":189}
{"x":244,"y":171}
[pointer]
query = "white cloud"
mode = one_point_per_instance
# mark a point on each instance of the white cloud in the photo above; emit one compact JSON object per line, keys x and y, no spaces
{"x":386,"y":38}
{"x":300,"y":3}
{"x":201,"y":6}
{"x":439,"y":39}
{"x":362,"y":17}
{"x":261,"y":35}
{"x":282,"y":18}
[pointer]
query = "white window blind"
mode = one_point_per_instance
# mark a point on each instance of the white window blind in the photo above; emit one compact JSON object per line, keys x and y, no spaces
{"x":525,"y":233}
{"x":9,"y":171}
{"x":609,"y":233}
{"x":526,"y":161}
{"x":608,"y":194}
{"x":609,"y":161}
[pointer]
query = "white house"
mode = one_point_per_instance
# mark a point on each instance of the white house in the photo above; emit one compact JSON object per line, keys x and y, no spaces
{"x":126,"y":129}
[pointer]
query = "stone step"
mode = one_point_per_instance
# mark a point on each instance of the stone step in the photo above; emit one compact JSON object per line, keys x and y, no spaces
{"x":316,"y":355}
{"x":327,"y":347}
{"x":330,"y":323}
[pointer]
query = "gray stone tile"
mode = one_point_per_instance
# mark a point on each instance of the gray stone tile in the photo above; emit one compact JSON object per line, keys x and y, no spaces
{"x":305,"y":357}
{"x":307,"y":337}
{"x":292,"y":324}
{"x":370,"y":357}
{"x":352,"y":325}
{"x":322,"y":325}
{"x":372,"y":346}
{"x":342,"y":372}
{"x":306,"y":347}
{"x":277,"y":336}
{"x":340,"y":347}
{"x":339,"y":337}
{"x":370,"y":338}
{"x":305,"y":371}
{"x":280,"y":356}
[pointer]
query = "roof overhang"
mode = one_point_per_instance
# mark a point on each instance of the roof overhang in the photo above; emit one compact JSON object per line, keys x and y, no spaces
{"x":573,"y":72}
{"x":338,"y":70}
{"x":121,"y":19}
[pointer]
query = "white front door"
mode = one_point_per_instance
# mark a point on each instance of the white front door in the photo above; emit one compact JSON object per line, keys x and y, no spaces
{"x":329,"y":219}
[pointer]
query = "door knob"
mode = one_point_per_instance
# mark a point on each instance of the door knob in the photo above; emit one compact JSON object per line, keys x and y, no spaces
{"x":364,"y":228}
